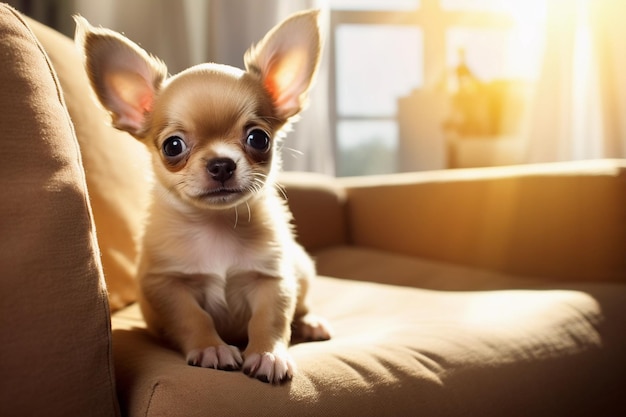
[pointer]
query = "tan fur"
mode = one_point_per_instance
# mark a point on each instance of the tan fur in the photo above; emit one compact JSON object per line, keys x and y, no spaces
{"x":220,"y":266}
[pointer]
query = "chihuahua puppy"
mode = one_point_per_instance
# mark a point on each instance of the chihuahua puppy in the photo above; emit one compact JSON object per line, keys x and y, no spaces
{"x":220,"y":266}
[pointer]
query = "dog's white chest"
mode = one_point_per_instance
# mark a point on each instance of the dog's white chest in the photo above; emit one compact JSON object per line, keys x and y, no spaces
{"x":221,"y":245}
{"x":212,"y":250}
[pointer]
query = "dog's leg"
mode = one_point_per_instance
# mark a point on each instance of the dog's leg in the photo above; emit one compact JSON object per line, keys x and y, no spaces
{"x":307,"y":327}
{"x":272,"y":303}
{"x":172,"y":308}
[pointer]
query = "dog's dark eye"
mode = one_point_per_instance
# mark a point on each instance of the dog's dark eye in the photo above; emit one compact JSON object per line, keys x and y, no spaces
{"x":258,"y":140}
{"x":174,"y":146}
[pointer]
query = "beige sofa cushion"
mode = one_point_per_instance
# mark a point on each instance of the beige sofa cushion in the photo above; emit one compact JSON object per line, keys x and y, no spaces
{"x":116,"y":166}
{"x":55,"y":357}
{"x":401,"y":351}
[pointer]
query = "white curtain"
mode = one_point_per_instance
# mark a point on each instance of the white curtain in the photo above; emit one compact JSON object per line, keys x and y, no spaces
{"x":188,"y":32}
{"x":579,"y":111}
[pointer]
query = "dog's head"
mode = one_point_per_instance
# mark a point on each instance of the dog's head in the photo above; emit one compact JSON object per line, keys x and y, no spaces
{"x":212,"y":130}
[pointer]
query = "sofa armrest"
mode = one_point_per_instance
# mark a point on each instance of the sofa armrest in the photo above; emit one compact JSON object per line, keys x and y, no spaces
{"x":563,"y":221}
{"x":318,"y":205}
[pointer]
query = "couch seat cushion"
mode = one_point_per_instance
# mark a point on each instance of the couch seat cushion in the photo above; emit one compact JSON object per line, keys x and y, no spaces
{"x":407,"y":351}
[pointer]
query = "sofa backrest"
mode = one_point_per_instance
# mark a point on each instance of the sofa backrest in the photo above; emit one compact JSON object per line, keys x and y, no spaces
{"x":116,"y":167}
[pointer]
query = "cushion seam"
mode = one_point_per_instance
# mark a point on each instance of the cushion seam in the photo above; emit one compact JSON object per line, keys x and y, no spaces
{"x":152,"y":393}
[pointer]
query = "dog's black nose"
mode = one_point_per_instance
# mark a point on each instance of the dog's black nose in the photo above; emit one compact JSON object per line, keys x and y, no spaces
{"x":221,"y":169}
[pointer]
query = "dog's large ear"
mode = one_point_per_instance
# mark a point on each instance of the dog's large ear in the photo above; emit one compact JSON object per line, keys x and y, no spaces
{"x":286,"y":61}
{"x":124,"y":77}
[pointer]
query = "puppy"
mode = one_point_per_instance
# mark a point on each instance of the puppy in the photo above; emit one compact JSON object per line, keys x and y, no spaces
{"x":220,"y":266}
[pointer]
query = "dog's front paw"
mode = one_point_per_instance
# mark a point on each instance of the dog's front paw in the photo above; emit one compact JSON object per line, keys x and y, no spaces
{"x":311,"y":328}
{"x":271,"y":367}
{"x":224,"y":357}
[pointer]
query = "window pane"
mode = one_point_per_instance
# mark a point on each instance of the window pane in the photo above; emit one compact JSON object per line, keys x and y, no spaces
{"x":374,"y":4}
{"x":367,"y":147}
{"x":375,"y":64}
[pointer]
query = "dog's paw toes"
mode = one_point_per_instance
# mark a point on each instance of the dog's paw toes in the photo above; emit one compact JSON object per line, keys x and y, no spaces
{"x":269,"y":367}
{"x":224,"y":357}
{"x":312,"y":328}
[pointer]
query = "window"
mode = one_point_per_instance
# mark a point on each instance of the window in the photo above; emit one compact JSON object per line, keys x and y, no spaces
{"x":375,"y":64}
{"x":386,"y":50}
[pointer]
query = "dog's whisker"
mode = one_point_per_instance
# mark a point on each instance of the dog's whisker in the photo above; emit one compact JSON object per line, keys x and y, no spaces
{"x":249,"y":212}
{"x":281,"y":189}
{"x":294,"y":153}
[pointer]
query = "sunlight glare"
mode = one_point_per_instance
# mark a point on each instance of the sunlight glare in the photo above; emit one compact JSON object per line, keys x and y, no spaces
{"x":521,"y":45}
{"x":527,"y":38}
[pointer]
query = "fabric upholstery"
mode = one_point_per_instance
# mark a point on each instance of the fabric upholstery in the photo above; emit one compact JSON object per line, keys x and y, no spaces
{"x":318,"y":206}
{"x":402,"y":351}
{"x":565,"y":221}
{"x":55,"y":357}
{"x":116,"y":167}
{"x":373,"y":265}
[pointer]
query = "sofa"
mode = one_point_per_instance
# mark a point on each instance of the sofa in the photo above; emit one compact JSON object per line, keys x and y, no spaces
{"x":471,"y":292}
